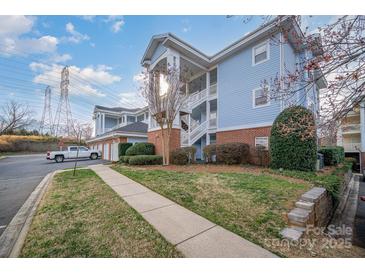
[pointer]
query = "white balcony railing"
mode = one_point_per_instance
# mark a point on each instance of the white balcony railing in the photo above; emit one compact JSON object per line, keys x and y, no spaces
{"x":197,"y":97}
{"x":352,"y":147}
{"x":213,"y":123}
{"x":350,"y":128}
{"x":213,"y":90}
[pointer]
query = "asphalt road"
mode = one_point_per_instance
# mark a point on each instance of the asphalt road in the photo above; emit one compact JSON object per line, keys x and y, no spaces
{"x":19,"y":175}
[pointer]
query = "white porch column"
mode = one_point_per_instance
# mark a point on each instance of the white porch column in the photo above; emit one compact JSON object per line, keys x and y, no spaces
{"x":103,"y":122}
{"x":208,"y":83}
{"x":362,"y":125}
{"x":208,"y":138}
{"x":208,"y":93}
{"x":99,"y":122}
{"x":189,"y":129}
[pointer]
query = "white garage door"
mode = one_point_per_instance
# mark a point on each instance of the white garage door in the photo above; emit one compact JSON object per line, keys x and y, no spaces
{"x":114,"y":152}
{"x":106,"y":152}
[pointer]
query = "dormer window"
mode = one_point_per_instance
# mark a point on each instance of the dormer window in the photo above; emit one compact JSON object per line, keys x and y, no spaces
{"x":260,"y":53}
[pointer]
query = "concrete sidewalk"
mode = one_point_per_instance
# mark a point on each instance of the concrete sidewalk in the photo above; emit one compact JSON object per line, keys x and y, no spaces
{"x":192,"y":234}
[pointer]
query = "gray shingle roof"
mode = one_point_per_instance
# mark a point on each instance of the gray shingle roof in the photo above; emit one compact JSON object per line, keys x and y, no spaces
{"x":118,"y":109}
{"x":134,"y":127}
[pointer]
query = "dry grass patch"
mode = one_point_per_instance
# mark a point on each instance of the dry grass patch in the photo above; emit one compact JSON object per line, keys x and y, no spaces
{"x":83,"y":217}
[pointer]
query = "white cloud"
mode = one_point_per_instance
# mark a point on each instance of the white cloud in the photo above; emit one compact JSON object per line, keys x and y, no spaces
{"x":117,"y":26}
{"x":186,"y":25}
{"x":14,"y":26}
{"x":89,"y":18}
{"x":75,"y":36}
{"x":83,"y":81}
{"x":61,"y":58}
{"x":117,"y":22}
{"x":11,"y":40}
{"x":132,"y":98}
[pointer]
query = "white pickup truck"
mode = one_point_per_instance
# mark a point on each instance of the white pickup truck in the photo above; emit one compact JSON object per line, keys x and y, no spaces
{"x":71,"y":153}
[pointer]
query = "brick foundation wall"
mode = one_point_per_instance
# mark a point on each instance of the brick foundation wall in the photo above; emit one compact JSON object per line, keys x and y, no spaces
{"x":155,"y":138}
{"x":248,"y":136}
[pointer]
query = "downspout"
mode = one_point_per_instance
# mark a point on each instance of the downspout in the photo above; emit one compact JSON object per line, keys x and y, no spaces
{"x":281,"y":52}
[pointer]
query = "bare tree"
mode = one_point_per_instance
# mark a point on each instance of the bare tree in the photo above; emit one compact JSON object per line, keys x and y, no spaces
{"x":164,"y":105}
{"x":81,"y":131}
{"x":14,"y":116}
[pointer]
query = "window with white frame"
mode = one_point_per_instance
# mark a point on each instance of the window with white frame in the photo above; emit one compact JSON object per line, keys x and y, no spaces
{"x":261,"y":97}
{"x":260,"y":53}
{"x":262,"y":141}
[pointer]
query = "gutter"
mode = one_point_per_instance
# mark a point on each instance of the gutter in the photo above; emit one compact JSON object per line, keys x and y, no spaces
{"x":115,"y":134}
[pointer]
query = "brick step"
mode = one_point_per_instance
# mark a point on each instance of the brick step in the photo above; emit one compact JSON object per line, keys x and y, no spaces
{"x":291,"y":234}
{"x":313,"y":194}
{"x":304,"y":205}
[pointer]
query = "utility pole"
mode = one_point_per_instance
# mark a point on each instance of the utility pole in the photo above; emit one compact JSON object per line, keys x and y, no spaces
{"x":63,"y":119}
{"x":47,"y":122}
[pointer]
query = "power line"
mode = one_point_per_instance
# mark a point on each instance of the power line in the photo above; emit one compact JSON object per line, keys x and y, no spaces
{"x":47,"y":121}
{"x":89,"y":82}
{"x":63,"y":117}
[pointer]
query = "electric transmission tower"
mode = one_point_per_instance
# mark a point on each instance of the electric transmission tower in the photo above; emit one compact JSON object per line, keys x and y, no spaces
{"x":47,"y":122}
{"x":63,"y":119}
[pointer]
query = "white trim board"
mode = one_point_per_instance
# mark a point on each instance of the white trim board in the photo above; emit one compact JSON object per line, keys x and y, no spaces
{"x":247,"y":126}
{"x":114,"y":135}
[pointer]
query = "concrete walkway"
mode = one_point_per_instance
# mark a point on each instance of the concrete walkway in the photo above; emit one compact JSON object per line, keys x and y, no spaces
{"x":192,"y":234}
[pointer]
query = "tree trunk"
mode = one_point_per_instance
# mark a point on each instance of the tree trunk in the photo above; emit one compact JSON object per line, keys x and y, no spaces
{"x":168,"y":146}
{"x":163,"y":146}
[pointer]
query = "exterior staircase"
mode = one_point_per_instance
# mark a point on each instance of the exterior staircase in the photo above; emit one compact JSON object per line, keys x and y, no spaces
{"x":190,"y":135}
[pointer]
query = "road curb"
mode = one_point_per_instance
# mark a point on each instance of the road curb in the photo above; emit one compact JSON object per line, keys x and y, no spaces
{"x":3,"y":157}
{"x":12,"y":239}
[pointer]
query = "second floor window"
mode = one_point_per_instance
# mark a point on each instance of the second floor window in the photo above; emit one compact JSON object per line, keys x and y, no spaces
{"x":261,"y":97}
{"x":260,"y":53}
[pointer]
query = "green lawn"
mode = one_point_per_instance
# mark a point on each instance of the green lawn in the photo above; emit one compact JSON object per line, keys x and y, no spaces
{"x":252,"y":205}
{"x":83,"y":217}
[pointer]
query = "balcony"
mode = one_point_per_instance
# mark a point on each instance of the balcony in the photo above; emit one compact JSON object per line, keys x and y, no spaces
{"x":213,"y":123}
{"x":350,"y":128}
{"x":352,"y":147}
{"x":213,"y":90}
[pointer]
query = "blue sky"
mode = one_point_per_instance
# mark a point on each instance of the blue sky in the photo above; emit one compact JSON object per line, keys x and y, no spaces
{"x":103,"y":53}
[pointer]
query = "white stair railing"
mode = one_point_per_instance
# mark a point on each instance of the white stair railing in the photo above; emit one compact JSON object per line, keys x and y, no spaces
{"x":197,"y":98}
{"x":197,"y":132}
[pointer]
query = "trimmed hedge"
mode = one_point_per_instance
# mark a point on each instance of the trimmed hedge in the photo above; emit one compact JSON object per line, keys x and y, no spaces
{"x":293,"y":140}
{"x":183,"y":156}
{"x":145,"y":160}
{"x":141,"y":149}
{"x":210,"y":153}
{"x":232,"y":153}
{"x":124,"y":159}
{"x":333,"y":155}
{"x":122,"y":148}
